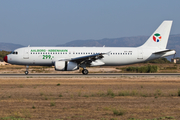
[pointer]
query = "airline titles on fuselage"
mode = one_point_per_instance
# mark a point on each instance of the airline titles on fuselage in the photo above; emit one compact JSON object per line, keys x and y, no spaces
{"x":50,"y":50}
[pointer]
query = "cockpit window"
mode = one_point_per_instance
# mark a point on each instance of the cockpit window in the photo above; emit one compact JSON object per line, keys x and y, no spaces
{"x":14,"y":52}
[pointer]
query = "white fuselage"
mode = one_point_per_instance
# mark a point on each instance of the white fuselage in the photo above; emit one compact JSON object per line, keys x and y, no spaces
{"x":115,"y":56}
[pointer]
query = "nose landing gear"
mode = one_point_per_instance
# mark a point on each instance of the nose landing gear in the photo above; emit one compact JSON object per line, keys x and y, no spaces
{"x":26,"y":72}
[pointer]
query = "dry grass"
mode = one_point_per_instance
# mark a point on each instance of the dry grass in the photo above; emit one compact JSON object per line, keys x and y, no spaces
{"x":82,"y":98}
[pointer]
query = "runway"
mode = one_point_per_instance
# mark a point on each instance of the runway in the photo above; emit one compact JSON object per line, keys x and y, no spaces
{"x":78,"y":75}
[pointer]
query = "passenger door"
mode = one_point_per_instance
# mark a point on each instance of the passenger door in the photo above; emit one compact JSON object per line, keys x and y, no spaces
{"x":140,"y":54}
{"x":26,"y":53}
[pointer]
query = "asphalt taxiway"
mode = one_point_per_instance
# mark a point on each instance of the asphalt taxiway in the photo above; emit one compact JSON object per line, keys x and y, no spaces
{"x":89,"y":75}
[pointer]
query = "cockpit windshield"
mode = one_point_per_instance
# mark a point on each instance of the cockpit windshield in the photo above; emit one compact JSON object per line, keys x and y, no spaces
{"x":14,"y":52}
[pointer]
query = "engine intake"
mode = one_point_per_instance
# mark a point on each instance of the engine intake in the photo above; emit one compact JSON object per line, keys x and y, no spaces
{"x":65,"y":66}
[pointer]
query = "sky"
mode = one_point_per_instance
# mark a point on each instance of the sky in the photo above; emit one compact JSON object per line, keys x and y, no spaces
{"x":54,"y":22}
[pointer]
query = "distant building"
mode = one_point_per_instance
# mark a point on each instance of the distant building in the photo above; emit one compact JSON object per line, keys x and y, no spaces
{"x":174,"y":60}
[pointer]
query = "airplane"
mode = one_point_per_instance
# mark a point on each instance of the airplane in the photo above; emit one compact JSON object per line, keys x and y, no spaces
{"x":72,"y":58}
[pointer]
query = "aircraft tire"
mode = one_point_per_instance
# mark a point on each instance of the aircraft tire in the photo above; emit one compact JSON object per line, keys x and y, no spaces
{"x":85,"y":72}
{"x":26,"y":72}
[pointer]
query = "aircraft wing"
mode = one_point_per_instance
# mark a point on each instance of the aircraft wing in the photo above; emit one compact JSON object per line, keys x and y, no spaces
{"x":87,"y":60}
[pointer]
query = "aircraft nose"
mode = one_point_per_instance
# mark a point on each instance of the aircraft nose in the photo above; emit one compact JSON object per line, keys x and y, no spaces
{"x":6,"y":58}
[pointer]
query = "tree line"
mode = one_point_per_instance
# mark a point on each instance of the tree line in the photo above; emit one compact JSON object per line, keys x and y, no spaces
{"x":3,"y":54}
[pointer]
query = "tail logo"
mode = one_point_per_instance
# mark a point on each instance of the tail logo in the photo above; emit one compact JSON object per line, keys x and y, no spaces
{"x":157,"y":37}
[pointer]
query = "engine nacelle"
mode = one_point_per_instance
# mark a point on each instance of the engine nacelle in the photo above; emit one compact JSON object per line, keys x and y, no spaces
{"x":65,"y":66}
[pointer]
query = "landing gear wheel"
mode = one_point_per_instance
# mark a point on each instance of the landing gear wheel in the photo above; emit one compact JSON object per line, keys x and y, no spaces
{"x":85,"y":72}
{"x":26,"y":72}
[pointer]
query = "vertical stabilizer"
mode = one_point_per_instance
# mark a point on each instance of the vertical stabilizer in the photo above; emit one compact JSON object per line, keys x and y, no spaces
{"x":160,"y":37}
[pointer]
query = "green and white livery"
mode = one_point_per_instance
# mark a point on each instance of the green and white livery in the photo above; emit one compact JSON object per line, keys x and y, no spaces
{"x":71,"y":58}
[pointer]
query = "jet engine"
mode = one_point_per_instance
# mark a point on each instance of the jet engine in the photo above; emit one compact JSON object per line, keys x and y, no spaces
{"x":65,"y":66}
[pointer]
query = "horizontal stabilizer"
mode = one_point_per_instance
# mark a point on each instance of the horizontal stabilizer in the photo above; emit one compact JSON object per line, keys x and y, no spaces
{"x":164,"y":51}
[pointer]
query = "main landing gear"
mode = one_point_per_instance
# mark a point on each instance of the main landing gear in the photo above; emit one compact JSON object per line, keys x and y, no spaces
{"x":26,"y":72}
{"x":85,"y":72}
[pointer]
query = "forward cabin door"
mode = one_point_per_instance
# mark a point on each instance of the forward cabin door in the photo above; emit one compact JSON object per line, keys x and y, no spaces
{"x":26,"y":53}
{"x":140,"y":54}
